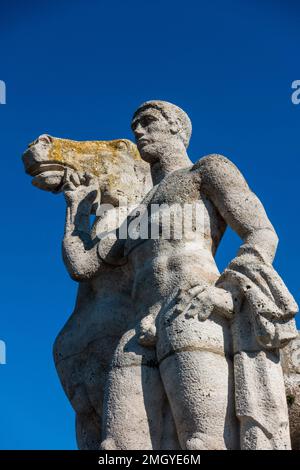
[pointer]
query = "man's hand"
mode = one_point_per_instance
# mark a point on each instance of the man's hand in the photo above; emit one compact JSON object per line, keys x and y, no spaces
{"x":147,"y":331}
{"x":202,"y":301}
{"x":80,"y":189}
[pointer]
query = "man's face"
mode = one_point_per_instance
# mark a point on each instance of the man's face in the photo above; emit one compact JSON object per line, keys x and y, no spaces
{"x":151,"y":131}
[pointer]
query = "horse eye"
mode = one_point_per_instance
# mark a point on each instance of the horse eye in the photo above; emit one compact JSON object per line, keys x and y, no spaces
{"x":122,"y":145}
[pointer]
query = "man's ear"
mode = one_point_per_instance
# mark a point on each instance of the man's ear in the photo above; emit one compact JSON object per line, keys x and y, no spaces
{"x":175,"y":126}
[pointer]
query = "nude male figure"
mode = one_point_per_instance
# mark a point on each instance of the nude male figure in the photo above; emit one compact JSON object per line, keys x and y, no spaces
{"x":193,"y":351}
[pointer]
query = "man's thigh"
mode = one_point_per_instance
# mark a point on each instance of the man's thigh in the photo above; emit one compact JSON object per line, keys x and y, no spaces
{"x":199,"y":386}
{"x":135,"y":398}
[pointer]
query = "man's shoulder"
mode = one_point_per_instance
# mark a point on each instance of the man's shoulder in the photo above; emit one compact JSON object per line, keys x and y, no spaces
{"x":217,"y":171}
{"x":217,"y":166}
{"x":213,"y":161}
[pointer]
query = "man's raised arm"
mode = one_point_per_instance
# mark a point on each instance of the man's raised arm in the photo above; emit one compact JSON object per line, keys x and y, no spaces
{"x":79,"y":249}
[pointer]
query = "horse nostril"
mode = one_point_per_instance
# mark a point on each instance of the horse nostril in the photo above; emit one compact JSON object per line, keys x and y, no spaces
{"x":44,"y":138}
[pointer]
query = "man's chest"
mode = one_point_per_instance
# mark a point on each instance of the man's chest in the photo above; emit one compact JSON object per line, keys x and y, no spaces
{"x":180,"y":187}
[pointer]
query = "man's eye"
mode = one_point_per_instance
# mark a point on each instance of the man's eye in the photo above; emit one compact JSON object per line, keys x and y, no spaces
{"x":148,"y":121}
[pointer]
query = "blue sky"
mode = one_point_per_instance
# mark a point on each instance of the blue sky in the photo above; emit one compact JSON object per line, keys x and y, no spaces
{"x":79,"y":69}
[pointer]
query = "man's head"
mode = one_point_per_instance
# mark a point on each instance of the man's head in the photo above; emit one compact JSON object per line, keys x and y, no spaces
{"x":158,"y":125}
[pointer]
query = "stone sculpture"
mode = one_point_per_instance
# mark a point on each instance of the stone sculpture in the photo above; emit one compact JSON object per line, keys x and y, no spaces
{"x":188,"y":358}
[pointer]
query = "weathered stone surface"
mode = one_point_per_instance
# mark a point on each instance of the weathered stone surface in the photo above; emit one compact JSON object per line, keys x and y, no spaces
{"x":290,"y":359}
{"x":162,"y":351}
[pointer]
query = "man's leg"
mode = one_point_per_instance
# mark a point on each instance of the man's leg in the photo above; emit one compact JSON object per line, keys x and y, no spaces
{"x":135,"y":399}
{"x":197,"y":373}
{"x":199,"y":387}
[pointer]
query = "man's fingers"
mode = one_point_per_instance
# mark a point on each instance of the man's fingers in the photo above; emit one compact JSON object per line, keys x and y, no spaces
{"x":205,"y":312}
{"x":88,"y":178}
{"x":201,"y":301}
{"x":81,"y":177}
{"x":69,"y":186}
{"x":67,"y":174}
{"x":196,"y":290}
{"x":191,"y":311}
{"x":74,"y":178}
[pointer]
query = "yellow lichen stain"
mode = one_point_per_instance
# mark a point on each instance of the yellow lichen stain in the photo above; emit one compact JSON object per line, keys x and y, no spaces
{"x":91,"y":156}
{"x":107,"y":160}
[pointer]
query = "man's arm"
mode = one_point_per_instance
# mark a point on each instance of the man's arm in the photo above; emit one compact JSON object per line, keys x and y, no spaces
{"x":241,"y":209}
{"x":79,"y":249}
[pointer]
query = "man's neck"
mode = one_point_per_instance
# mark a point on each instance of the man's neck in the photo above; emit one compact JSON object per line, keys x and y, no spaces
{"x":170,"y":160}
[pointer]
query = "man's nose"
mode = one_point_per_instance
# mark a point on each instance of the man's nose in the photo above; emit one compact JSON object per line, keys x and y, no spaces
{"x":139,"y":131}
